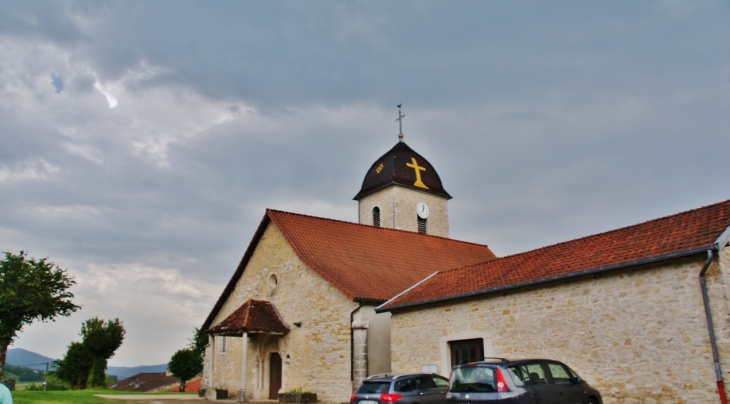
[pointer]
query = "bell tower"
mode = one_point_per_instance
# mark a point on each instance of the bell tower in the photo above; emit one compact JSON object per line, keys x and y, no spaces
{"x":403,"y":191}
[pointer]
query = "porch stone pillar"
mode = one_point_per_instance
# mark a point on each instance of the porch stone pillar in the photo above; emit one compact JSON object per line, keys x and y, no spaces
{"x":242,"y":396}
{"x":360,"y":352}
{"x":210,"y":394}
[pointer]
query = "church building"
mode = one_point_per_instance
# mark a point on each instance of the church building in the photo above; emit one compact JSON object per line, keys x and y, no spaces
{"x":641,"y":312}
{"x":299,"y":311}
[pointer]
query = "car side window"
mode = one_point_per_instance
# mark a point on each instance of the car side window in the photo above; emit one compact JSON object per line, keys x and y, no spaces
{"x":535,"y":374}
{"x":424,"y":383}
{"x":559,"y":373}
{"x":572,"y":373}
{"x":406,"y":385}
{"x":517,"y":375}
{"x":440,"y":382}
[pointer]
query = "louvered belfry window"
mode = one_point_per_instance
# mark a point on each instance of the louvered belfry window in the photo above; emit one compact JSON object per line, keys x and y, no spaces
{"x":422,"y":226}
{"x":376,"y":216}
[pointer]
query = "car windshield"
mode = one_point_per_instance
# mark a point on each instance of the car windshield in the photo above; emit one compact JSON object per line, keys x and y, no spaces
{"x":473,"y":378}
{"x":373,"y":387}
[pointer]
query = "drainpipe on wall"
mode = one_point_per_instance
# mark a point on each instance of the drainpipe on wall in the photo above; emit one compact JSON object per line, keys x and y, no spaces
{"x":352,"y":345}
{"x":710,"y":328}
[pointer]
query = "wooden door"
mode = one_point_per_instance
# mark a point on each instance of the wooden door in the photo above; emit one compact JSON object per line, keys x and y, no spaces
{"x":466,"y":349}
{"x":274,"y":376}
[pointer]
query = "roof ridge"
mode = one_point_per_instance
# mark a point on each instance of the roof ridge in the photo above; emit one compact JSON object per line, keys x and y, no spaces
{"x":591,"y":236}
{"x":276,"y":211}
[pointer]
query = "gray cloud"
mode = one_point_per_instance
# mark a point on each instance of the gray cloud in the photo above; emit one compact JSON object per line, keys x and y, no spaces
{"x":141,"y":142}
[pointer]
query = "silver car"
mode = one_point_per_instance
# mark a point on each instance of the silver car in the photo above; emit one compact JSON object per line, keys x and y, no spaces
{"x":411,"y":388}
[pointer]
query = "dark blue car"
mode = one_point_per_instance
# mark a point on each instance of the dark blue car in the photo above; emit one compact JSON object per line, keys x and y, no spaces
{"x":525,"y":381}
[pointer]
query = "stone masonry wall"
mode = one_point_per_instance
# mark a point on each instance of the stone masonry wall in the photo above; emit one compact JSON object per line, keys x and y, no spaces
{"x":398,"y":210}
{"x":638,"y":336}
{"x":315,"y":356}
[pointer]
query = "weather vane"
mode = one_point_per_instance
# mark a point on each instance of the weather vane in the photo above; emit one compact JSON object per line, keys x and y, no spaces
{"x":400,"y":123}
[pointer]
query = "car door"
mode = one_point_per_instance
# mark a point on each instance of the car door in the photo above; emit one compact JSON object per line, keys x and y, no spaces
{"x":534,"y":376}
{"x":431,"y":389}
{"x":406,"y":387}
{"x":567,"y":389}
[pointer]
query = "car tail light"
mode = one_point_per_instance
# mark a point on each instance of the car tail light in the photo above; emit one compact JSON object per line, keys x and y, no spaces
{"x":390,"y":398}
{"x":352,"y":397}
{"x":501,"y":385}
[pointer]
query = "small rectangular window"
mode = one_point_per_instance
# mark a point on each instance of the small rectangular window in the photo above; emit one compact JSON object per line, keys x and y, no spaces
{"x":222,"y":344}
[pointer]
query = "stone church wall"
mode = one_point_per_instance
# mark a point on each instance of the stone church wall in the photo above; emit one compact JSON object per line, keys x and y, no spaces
{"x":398,"y":210}
{"x":316,"y":355}
{"x":637,"y":335}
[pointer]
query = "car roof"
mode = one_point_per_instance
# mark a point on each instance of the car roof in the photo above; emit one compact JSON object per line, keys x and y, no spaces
{"x":394,"y":376}
{"x":503,"y":361}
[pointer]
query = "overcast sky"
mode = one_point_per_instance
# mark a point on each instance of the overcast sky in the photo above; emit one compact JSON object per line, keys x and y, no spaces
{"x":141,"y":142}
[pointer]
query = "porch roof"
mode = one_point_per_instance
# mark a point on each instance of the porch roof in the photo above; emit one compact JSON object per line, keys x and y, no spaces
{"x":253,"y":317}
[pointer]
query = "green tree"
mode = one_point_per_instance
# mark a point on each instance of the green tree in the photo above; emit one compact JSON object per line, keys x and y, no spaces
{"x":75,"y":366}
{"x":102,"y":339}
{"x":30,"y":290}
{"x":185,"y":364}
{"x":199,"y":341}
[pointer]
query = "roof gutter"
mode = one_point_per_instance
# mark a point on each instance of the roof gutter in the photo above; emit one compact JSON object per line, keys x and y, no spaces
{"x":571,"y":275}
{"x":710,"y":328}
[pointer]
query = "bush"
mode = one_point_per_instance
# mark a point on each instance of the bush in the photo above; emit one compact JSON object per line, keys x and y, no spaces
{"x":52,"y":384}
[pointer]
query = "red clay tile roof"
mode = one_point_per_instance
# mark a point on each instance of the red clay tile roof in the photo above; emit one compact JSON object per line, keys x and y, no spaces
{"x":371,"y":263}
{"x":145,"y":382}
{"x":191,"y":386}
{"x":254,"y":316}
{"x":685,"y":233}
{"x":365,"y":263}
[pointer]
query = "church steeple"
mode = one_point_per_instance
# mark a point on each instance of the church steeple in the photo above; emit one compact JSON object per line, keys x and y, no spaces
{"x":402,"y":190}
{"x":404,"y":167}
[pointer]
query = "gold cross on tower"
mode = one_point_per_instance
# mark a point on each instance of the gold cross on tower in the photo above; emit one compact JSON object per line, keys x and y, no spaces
{"x":418,"y":169}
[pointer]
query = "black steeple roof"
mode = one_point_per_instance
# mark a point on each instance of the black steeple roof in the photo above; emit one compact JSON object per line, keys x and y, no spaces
{"x":402,"y":166}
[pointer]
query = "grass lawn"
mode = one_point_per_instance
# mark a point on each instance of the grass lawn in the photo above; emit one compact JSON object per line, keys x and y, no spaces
{"x":68,"y":397}
{"x":23,"y":385}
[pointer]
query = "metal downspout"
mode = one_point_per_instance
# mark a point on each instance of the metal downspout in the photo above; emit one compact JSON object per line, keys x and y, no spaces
{"x":711,"y":329}
{"x":352,"y":344}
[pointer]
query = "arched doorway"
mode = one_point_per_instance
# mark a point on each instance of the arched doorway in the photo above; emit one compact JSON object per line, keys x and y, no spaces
{"x":274,"y":375}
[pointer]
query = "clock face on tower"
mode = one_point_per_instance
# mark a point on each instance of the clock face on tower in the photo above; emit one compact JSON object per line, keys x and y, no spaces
{"x":422,"y":210}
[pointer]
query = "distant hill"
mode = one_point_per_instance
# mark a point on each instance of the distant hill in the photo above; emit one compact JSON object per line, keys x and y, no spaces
{"x":25,"y":358}
{"x":123,"y":372}
{"x":28,"y":359}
